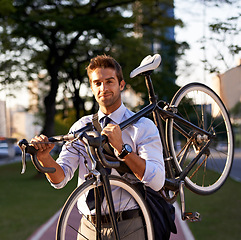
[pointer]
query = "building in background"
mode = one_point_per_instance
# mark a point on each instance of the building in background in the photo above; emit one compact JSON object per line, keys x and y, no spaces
{"x":228,"y":86}
{"x":18,"y":123}
{"x":24,"y":123}
{"x":7,"y":142}
{"x":3,"y":119}
{"x":162,"y":39}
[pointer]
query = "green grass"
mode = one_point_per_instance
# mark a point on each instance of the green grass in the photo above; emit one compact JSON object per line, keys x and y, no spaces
{"x":27,"y":201}
{"x":220,"y":213}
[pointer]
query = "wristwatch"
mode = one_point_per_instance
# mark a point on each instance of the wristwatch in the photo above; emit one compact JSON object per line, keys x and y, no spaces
{"x":126,"y":149}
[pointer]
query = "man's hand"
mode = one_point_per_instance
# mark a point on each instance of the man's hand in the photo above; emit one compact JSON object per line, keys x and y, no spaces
{"x":133,"y":161}
{"x":41,"y":143}
{"x":114,"y":134}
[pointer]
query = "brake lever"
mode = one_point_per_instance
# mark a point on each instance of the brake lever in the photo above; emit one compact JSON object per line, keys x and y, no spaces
{"x":23,"y":159}
{"x":24,"y":146}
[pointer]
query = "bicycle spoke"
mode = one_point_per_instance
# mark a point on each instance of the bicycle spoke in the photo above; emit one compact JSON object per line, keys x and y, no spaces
{"x":131,"y":225}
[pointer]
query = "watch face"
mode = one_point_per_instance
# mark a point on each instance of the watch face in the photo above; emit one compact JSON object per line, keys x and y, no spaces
{"x":128,"y":148}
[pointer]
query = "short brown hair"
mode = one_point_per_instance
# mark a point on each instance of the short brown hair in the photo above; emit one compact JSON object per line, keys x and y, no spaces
{"x":104,"y":61}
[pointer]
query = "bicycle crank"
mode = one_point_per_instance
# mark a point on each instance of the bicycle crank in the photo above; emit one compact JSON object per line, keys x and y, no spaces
{"x":190,"y":216}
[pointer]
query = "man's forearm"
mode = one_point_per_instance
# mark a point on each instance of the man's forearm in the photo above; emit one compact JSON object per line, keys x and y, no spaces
{"x":56,"y":177}
{"x":136,"y":164}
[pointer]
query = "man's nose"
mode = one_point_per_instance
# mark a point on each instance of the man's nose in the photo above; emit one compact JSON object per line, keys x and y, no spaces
{"x":103,"y":86}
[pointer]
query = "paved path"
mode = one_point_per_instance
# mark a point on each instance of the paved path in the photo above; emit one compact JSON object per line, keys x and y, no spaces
{"x":47,"y":231}
{"x":5,"y":160}
{"x":236,"y":168}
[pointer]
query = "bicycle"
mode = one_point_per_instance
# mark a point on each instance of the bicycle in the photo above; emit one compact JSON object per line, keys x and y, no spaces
{"x":196,"y":122}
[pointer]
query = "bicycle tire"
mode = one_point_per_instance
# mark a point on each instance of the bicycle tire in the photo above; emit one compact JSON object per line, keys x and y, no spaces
{"x":200,"y":105}
{"x":65,"y":231}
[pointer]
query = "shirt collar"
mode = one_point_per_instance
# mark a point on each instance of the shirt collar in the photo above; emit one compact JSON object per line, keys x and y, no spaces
{"x":115,"y":116}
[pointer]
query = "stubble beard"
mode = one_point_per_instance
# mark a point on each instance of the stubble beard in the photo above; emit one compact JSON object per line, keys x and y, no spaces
{"x":108,"y":102}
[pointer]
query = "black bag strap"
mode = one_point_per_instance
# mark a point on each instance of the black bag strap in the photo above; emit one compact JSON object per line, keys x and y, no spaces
{"x":108,"y":150}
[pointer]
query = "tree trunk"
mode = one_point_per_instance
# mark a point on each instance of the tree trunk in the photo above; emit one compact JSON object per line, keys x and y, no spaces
{"x":76,"y":103}
{"x":49,"y":104}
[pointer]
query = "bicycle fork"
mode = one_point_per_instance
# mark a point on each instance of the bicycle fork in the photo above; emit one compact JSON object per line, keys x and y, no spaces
{"x":109,"y":200}
{"x":101,"y":172}
{"x":95,"y":153}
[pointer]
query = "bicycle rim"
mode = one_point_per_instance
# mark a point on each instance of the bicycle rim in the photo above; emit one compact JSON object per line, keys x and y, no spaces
{"x":69,"y":226}
{"x":199,"y":105}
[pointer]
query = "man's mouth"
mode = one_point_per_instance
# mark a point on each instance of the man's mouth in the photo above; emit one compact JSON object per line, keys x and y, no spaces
{"x":105,"y":95}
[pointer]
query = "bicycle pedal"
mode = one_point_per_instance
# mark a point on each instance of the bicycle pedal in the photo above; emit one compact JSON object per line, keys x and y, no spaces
{"x":192,"y":216}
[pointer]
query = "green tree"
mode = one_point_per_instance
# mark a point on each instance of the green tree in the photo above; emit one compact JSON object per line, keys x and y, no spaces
{"x":223,"y":39}
{"x":49,"y":31}
{"x":226,"y":34}
{"x":61,"y":36}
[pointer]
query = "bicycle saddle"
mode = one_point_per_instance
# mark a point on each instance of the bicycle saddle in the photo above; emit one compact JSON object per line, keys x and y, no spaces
{"x":147,"y":64}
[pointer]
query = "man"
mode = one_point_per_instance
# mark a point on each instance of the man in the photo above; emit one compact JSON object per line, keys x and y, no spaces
{"x":139,"y":146}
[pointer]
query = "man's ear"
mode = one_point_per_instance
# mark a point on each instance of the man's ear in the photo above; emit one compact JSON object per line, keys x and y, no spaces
{"x":122,"y":84}
{"x":90,"y":82}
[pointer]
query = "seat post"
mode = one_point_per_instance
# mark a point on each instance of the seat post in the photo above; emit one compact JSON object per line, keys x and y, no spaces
{"x":149,"y":85}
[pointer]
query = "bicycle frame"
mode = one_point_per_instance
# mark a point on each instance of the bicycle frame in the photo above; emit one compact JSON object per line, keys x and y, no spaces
{"x":154,"y":108}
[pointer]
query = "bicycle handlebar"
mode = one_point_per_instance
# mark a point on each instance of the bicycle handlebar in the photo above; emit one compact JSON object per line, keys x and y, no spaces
{"x":95,"y":141}
{"x":23,"y":144}
{"x":91,"y":138}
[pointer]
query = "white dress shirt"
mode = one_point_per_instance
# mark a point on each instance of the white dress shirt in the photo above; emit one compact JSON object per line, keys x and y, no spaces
{"x":142,"y":136}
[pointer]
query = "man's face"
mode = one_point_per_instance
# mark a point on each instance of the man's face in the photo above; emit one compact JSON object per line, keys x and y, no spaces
{"x":106,"y":89}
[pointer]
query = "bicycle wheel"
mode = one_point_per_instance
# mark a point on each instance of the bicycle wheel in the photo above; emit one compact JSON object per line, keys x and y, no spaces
{"x":201,"y":106}
{"x":76,"y":216}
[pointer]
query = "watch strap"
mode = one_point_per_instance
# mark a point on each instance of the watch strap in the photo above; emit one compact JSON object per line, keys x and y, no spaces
{"x":124,"y":151}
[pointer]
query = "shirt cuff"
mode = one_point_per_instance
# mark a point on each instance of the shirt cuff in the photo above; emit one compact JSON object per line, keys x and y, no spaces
{"x":154,"y":176}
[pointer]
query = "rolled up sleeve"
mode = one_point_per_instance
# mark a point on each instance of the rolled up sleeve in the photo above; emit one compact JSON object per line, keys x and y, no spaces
{"x":149,"y":147}
{"x":68,"y":160}
{"x":72,"y":156}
